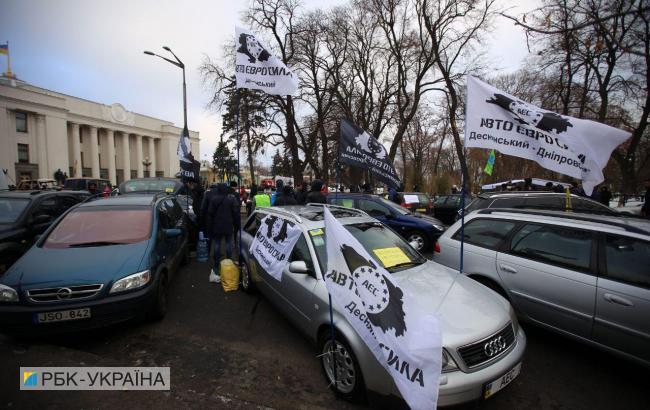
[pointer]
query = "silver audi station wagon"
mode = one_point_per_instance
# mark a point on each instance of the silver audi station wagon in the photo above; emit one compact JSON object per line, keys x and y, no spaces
{"x":483,"y":343}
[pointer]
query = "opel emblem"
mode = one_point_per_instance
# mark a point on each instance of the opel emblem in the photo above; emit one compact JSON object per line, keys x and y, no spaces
{"x":494,"y":346}
{"x":64,"y":293}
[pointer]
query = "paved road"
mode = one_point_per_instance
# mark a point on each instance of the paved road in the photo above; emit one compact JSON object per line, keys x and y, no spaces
{"x":221,"y":356}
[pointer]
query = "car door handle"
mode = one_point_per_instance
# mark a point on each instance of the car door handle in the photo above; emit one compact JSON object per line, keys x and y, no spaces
{"x":508,"y":269}
{"x":617,"y":299}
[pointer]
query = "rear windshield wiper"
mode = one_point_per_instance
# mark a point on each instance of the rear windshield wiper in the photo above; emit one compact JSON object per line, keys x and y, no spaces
{"x":92,"y":244}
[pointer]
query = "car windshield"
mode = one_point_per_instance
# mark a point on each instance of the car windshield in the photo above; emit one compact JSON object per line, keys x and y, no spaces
{"x":390,"y":250}
{"x":154,"y":185}
{"x":394,"y":206}
{"x":477,"y":203}
{"x":101,"y":225}
{"x":11,"y":208}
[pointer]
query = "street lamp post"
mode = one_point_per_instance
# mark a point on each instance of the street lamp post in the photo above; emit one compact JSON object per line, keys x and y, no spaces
{"x":178,"y":63}
{"x":146,"y":164}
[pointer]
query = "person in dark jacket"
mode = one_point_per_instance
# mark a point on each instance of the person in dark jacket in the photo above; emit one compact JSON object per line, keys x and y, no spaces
{"x":249,"y":203}
{"x":285,"y":197}
{"x":223,"y":221}
{"x":301,"y":194}
{"x":605,"y":195}
{"x":315,"y":195}
{"x":279,"y":186}
{"x":393,"y":196}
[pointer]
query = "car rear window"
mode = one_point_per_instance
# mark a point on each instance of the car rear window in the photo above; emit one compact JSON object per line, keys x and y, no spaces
{"x":108,"y":224}
{"x":75,"y":184}
{"x":11,"y":208}
{"x":154,"y":185}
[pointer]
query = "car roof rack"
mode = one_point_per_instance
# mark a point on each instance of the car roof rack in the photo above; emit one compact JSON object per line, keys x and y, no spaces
{"x":567,"y":215}
{"x":345,"y":208}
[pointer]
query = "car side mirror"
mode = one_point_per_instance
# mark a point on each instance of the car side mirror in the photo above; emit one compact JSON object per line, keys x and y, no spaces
{"x":172,"y":233}
{"x":298,"y":267}
{"x":42,"y":218}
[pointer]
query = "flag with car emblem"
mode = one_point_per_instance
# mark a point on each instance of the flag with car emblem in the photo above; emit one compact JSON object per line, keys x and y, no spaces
{"x":405,"y":340}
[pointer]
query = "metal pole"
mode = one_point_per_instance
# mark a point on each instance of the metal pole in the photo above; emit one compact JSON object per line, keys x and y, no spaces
{"x":462,"y":223}
{"x":237,"y":107}
{"x":184,"y":99}
{"x":333,"y":348}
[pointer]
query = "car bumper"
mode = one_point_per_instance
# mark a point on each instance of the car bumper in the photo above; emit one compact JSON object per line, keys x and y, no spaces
{"x":460,"y":387}
{"x":21,"y":319}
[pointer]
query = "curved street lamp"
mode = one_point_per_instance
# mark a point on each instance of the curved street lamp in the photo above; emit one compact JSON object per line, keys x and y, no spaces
{"x":178,"y":63}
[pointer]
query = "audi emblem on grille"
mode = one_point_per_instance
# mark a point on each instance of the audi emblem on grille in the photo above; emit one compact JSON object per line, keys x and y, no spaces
{"x":494,"y":346}
{"x":64,"y":293}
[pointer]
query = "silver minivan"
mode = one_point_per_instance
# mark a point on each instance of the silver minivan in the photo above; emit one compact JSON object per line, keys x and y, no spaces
{"x":483,"y":343}
{"x":585,"y":276}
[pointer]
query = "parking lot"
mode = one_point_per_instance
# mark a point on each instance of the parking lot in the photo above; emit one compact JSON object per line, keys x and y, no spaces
{"x":222,"y":356}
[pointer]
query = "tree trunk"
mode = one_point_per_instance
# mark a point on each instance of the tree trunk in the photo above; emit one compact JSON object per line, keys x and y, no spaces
{"x":293,"y":143}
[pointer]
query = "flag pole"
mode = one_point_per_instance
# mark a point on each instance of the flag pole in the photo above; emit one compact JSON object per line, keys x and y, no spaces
{"x":237,"y":107}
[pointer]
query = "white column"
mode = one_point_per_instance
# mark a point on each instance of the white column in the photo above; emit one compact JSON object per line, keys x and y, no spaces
{"x":138,"y":152}
{"x":94,"y":151}
{"x":110,"y":140}
{"x":41,"y":148}
{"x":76,"y":150}
{"x":152,"y":157}
{"x":126,"y":152}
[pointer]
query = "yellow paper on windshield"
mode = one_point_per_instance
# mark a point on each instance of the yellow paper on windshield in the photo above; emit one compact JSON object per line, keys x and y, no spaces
{"x":316,"y":232}
{"x":391,"y":256}
{"x":169,"y":190}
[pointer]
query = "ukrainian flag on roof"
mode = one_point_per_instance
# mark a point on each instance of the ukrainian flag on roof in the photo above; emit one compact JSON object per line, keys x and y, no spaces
{"x":4,"y":48}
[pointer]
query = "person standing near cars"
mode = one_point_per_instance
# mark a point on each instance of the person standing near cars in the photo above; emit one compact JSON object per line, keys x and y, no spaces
{"x":285,"y":197}
{"x":645,"y":211}
{"x":301,"y":194}
{"x":315,"y":195}
{"x":262,"y":200}
{"x":223,"y":221}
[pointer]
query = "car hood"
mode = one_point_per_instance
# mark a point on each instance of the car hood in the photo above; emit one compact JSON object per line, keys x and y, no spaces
{"x":47,"y":267}
{"x":467,"y":311}
{"x":427,"y":218}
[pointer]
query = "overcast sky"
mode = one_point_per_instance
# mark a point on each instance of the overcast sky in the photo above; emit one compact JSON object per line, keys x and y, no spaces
{"x":93,"y":49}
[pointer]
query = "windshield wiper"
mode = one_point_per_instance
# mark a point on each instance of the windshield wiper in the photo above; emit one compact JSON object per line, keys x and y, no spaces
{"x":92,"y":244}
{"x":411,"y":263}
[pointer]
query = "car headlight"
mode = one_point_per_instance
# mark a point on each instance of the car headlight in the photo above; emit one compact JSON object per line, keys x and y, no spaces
{"x":130,"y":282}
{"x":439,"y":227}
{"x":8,"y":294}
{"x":448,"y":363}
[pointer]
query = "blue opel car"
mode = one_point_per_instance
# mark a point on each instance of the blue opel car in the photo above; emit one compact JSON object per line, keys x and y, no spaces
{"x":421,"y":230}
{"x":100,"y":263}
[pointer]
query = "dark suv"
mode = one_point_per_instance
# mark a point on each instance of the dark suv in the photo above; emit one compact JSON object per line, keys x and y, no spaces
{"x":26,"y":214}
{"x":418,"y":229}
{"x":551,"y":201}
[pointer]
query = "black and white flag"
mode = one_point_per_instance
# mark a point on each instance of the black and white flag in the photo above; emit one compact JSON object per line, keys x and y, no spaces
{"x":571,"y":146}
{"x":257,"y":68}
{"x":405,"y":339}
{"x":360,"y":149}
{"x":273,"y":244}
{"x":190,"y":168}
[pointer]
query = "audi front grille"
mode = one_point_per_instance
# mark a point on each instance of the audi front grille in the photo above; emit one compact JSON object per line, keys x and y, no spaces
{"x":488,"y":349}
{"x":63,"y":293}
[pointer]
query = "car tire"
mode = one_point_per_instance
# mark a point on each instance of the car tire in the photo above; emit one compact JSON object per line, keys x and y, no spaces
{"x":159,"y":308}
{"x":349,"y":381}
{"x":420,"y":238}
{"x":245,"y":278}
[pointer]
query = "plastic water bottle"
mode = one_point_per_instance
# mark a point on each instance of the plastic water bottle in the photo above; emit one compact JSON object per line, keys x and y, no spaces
{"x":202,"y":248}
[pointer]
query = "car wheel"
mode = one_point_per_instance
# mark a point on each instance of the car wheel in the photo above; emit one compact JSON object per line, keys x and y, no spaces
{"x":160,"y":306}
{"x":245,"y":277}
{"x":338,"y":355}
{"x":417,"y":238}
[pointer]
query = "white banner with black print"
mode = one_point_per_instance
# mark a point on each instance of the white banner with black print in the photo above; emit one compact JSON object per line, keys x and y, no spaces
{"x":406,"y":340}
{"x":258,"y":69}
{"x":571,"y":146}
{"x":273,"y":244}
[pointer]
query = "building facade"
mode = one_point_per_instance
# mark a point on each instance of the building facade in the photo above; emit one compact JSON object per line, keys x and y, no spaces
{"x":42,"y":131}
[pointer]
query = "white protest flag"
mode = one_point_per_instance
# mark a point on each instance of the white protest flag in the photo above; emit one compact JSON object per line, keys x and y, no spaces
{"x":184,"y":148}
{"x":257,"y":68}
{"x":571,"y":146}
{"x":273,"y":244}
{"x":404,"y":339}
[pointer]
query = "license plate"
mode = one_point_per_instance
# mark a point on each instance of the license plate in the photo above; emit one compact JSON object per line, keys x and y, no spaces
{"x":421,"y":209}
{"x":63,"y":315}
{"x":501,"y":382}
